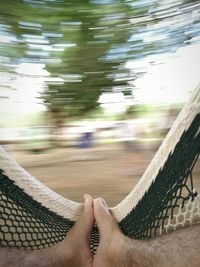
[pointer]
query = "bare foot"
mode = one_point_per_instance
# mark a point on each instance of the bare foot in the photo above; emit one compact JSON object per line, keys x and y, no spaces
{"x":177,"y":249}
{"x":112,"y":247}
{"x":74,"y":250}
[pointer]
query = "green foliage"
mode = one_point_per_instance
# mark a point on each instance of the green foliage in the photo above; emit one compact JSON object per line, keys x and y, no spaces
{"x":137,"y":110}
{"x":85,"y":45}
{"x":90,"y":64}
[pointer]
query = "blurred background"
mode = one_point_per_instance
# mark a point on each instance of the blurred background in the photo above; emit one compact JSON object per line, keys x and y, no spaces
{"x":89,"y":88}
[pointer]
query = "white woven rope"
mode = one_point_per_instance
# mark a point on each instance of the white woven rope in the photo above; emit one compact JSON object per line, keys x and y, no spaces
{"x":33,"y":187}
{"x":72,"y":210}
{"x":185,"y":216}
{"x":183,"y":121}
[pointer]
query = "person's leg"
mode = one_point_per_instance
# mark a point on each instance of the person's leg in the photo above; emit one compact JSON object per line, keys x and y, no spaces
{"x":73,"y":251}
{"x":177,"y":249}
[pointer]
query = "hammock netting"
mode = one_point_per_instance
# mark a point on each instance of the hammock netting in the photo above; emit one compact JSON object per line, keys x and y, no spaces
{"x":169,"y":201}
{"x":172,"y":188}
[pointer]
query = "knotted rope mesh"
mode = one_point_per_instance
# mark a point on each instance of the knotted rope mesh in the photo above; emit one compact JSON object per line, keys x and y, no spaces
{"x":26,"y":223}
{"x":168,"y":194}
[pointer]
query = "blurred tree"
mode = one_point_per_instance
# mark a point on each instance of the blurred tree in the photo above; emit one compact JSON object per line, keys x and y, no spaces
{"x":85,"y":45}
{"x":93,"y":55}
{"x":82,"y":43}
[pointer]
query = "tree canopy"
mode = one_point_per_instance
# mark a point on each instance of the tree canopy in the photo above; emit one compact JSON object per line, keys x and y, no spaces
{"x":85,"y":45}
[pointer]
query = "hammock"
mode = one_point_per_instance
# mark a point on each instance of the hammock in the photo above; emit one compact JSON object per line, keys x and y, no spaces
{"x":34,"y":217}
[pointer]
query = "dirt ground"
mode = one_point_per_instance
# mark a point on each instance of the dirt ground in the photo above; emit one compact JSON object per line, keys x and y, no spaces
{"x":106,"y":170}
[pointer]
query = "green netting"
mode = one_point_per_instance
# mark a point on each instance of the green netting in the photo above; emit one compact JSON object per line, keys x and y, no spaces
{"x":25,"y":223}
{"x":171,"y":188}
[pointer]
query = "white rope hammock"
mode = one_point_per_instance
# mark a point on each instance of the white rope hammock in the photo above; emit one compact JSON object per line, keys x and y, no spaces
{"x":71,"y":210}
{"x":181,"y":124}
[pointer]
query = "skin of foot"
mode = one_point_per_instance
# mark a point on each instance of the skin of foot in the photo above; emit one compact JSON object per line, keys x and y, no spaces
{"x":77,"y":242}
{"x":112,"y":249}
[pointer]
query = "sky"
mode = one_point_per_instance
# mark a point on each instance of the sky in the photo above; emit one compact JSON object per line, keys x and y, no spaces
{"x":173,"y":80}
{"x":25,"y":89}
{"x":170,"y":79}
